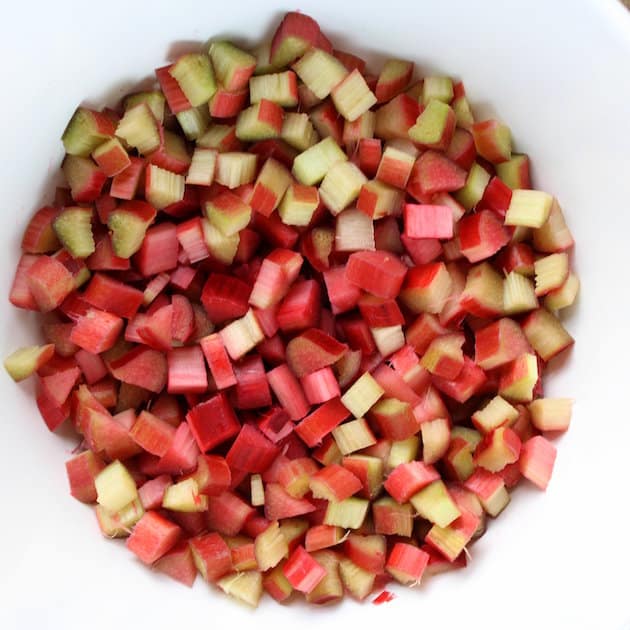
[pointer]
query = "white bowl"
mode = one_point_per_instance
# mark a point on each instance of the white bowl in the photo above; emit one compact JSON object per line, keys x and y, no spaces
{"x":557,"y":73}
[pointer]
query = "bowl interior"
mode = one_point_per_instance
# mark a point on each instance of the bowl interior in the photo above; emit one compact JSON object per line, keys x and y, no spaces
{"x":558,"y":76}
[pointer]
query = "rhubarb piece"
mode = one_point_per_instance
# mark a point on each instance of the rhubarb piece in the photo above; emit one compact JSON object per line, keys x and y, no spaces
{"x":115,"y":487}
{"x":396,"y":166}
{"x":553,"y":235}
{"x":163,"y":187}
{"x":341,"y":186}
{"x":451,"y":541}
{"x":490,"y":490}
{"x":515,"y":172}
{"x":435,"y":504}
{"x":218,"y":361}
{"x":499,"y":343}
{"x":252,"y":388}
{"x":186,"y":371}
{"x":498,"y":412}
{"x":241,"y":335}
{"x":212,"y":422}
{"x":426,"y":221}
{"x":538,"y":456}
{"x":407,"y":563}
{"x":228,"y":213}
{"x":551,"y":414}
{"x":563,"y":296}
{"x":352,"y":96}
{"x":378,"y":200}
{"x":293,"y":37}
{"x":444,"y":356}
{"x":551,"y":272}
{"x":313,"y":350}
{"x":519,"y":294}
{"x":178,"y":563}
{"x":39,"y":236}
{"x":435,"y":126}
{"x":493,"y":140}
{"x":139,"y":128}
{"x":82,"y":471}
{"x":426,"y":288}
{"x":111,"y":157}
{"x":245,"y":586}
{"x":270,"y":187}
{"x":288,"y":391}
{"x":378,"y":273}
{"x":277,"y":272}
{"x":128,"y":224}
{"x":302,"y":571}
{"x":202,"y":167}
{"x":393,"y":79}
{"x":320,"y":71}
{"x":498,"y":448}
{"x":184,"y":497}
{"x":483,"y":293}
{"x":280,"y":88}
{"x":85,"y":178}
{"x":153,"y":434}
{"x":408,"y":479}
{"x":323,"y":536}
{"x":528,"y":208}
{"x":153,"y":536}
{"x":251,"y":451}
{"x":211,"y":555}
{"x":353,"y":436}
{"x":311,"y":166}
{"x":297,"y":131}
{"x":473,"y":190}
{"x":393,"y":418}
{"x":86,"y":130}
{"x":125,"y":185}
{"x":235,"y":169}
{"x":233,"y":66}
{"x":394,"y":119}
{"x":481,"y":235}
{"x":392,"y":519}
{"x":348,"y":514}
{"x":155,"y":100}
{"x":260,"y":121}
{"x":195,"y":77}
{"x":25,"y":361}
{"x":403,"y":451}
{"x":546,"y":334}
{"x":519,"y":378}
{"x":362,"y":395}
{"x":439,"y":88}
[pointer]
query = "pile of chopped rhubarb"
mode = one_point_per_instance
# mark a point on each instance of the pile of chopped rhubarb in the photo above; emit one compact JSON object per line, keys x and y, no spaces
{"x":298,"y":315}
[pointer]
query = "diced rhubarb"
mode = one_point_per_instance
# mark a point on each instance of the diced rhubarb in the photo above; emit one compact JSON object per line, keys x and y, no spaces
{"x":213,"y":422}
{"x":481,"y":235}
{"x":142,"y":367}
{"x":153,"y":536}
{"x":321,"y":422}
{"x":186,"y":371}
{"x":536,"y":461}
{"x":82,"y":470}
{"x":407,"y":563}
{"x":408,"y":479}
{"x":312,"y":350}
{"x":251,"y":451}
{"x":211,"y":556}
{"x":218,"y":361}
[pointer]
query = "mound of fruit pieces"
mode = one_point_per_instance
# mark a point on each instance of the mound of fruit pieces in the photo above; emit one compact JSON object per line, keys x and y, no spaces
{"x":299,"y":315}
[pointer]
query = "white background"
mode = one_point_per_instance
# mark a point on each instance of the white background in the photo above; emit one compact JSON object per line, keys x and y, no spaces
{"x":557,"y":73}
